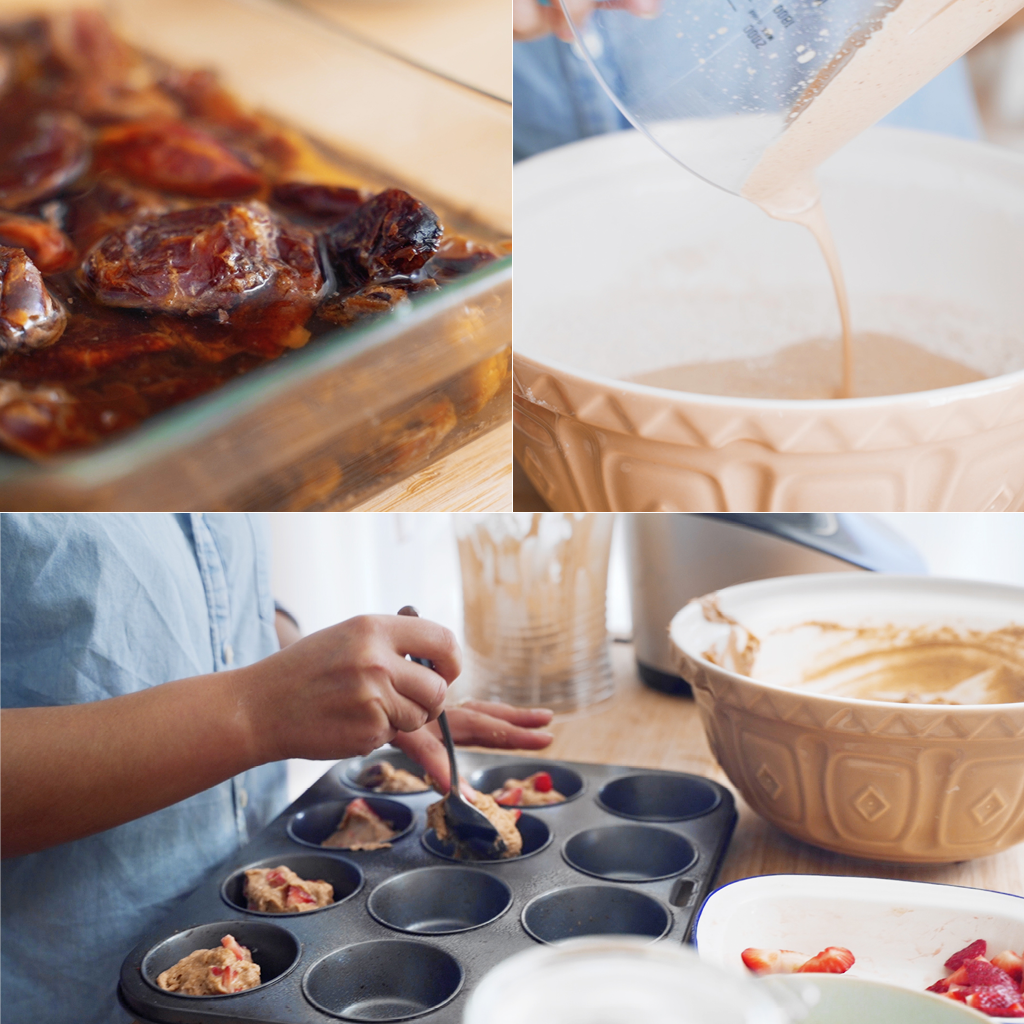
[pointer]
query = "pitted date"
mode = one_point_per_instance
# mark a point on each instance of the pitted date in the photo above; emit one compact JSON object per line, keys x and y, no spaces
{"x":209,"y":259}
{"x":177,"y":157}
{"x":48,"y":152}
{"x":323,"y":203}
{"x":49,"y":248}
{"x":391,"y":235}
{"x":30,"y":317}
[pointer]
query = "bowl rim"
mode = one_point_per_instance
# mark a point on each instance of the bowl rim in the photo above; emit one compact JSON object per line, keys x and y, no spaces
{"x":541,"y":171}
{"x":862,"y":581}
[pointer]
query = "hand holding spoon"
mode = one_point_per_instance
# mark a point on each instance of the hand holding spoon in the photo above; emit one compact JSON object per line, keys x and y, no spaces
{"x":470,"y":829}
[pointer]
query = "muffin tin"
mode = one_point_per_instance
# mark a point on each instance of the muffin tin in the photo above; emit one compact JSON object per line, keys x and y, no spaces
{"x":632,"y":851}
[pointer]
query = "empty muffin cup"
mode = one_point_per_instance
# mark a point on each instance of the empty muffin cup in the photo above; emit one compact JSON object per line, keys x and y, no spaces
{"x":565,"y":780}
{"x":595,"y":910}
{"x":313,"y":825}
{"x":396,"y":758}
{"x":344,"y":876}
{"x":439,"y":900}
{"x":536,"y":835}
{"x":383,"y":980}
{"x":274,"y":948}
{"x":629,"y":853}
{"x":659,"y":797}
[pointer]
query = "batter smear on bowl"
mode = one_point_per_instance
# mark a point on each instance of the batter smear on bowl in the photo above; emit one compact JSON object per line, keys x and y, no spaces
{"x":213,"y":972}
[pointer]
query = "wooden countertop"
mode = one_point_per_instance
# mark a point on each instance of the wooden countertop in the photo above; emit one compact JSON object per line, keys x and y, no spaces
{"x":639,"y":726}
{"x":469,"y":41}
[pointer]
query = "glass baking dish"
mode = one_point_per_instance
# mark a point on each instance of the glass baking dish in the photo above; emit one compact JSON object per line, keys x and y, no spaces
{"x":355,"y":411}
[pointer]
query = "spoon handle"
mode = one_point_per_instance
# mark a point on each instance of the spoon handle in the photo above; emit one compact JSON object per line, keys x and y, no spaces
{"x":442,"y":719}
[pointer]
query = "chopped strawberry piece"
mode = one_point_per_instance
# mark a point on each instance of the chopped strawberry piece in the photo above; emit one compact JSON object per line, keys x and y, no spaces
{"x":976,"y":948}
{"x":542,"y":782}
{"x":1011,"y":963}
{"x":276,"y":878}
{"x":958,"y":992}
{"x":959,"y":976}
{"x":230,"y":942}
{"x":773,"y":961}
{"x":981,"y":972}
{"x":296,"y":895}
{"x":361,"y":807}
{"x":510,"y":797}
{"x":518,"y":814}
{"x":833,"y":960}
{"x":994,"y":1001}
{"x":942,"y":985}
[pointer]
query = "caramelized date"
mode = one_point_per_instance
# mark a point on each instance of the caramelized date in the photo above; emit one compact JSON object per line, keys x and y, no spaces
{"x":30,"y":317}
{"x":41,"y":421}
{"x":177,"y":157}
{"x":102,"y":77}
{"x":456,"y":256}
{"x":50,"y":249}
{"x":48,"y":152}
{"x":107,"y":205}
{"x":371,"y":301}
{"x":201,"y":95}
{"x":318,"y":202}
{"x":204,"y":260}
{"x":391,"y":235}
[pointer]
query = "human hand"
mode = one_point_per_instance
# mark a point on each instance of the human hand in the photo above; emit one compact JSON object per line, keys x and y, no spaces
{"x":532,"y":20}
{"x":347,"y":689}
{"x":476,"y":723}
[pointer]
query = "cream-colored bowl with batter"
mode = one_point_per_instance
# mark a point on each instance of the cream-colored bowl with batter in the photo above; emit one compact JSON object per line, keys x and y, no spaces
{"x":627,"y":265}
{"x":786,"y":674}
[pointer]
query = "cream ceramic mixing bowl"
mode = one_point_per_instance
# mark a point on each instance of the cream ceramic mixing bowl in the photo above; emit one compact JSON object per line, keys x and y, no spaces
{"x":879,"y":779}
{"x":627,"y":265}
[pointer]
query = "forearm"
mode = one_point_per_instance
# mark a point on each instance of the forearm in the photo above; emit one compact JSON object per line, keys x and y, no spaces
{"x":68,"y":772}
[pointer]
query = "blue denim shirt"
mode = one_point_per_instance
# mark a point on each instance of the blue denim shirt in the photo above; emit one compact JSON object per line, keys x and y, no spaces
{"x":559,"y":100}
{"x":95,"y":606}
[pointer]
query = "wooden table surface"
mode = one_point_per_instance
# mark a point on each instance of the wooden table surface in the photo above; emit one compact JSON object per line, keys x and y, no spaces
{"x":641,"y":727}
{"x":469,"y":41}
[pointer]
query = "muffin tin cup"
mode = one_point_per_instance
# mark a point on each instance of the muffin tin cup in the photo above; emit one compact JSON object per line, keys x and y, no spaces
{"x":455,"y":920}
{"x":383,"y":980}
{"x":629,"y":853}
{"x":273,"y":947}
{"x":536,"y":837}
{"x":595,"y":910}
{"x":566,"y":781}
{"x":344,"y":876}
{"x":439,"y":900}
{"x":312,"y":826}
{"x":659,"y":797}
{"x":349,"y":774}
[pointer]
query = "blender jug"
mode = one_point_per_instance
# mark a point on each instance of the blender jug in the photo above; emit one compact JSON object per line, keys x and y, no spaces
{"x":776,"y":83}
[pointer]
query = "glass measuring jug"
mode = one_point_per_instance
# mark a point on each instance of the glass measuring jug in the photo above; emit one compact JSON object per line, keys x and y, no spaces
{"x":777,"y":85}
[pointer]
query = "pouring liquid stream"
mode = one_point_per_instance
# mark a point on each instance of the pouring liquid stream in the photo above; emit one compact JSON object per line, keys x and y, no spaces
{"x":873,"y":73}
{"x":885,"y":61}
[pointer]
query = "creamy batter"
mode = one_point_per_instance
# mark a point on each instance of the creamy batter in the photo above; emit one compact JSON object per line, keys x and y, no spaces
{"x":504,"y":821}
{"x":872,"y":74}
{"x":281,"y":891}
{"x":881,"y":365}
{"x":360,"y":828}
{"x":213,"y":972}
{"x":384,"y":777}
